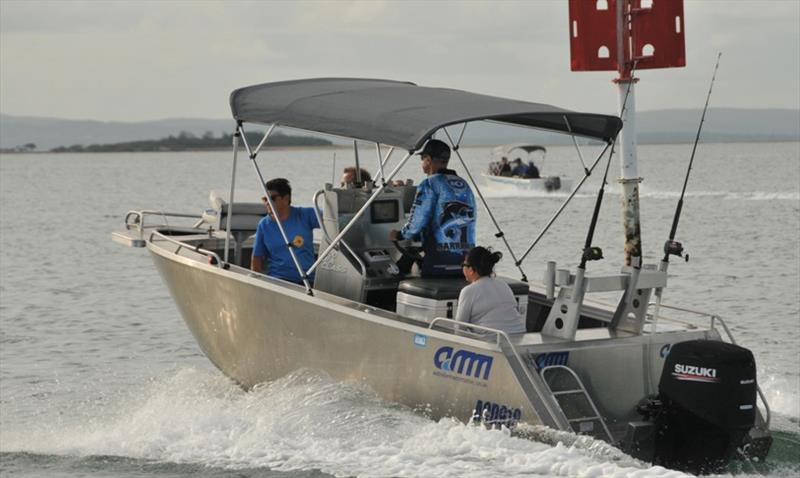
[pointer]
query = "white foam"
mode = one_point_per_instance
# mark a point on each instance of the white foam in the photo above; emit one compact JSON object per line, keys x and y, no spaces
{"x":306,"y":421}
{"x":781,"y":392}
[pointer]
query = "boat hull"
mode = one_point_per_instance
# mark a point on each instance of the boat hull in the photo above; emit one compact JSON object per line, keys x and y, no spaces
{"x":542,"y":185}
{"x":257,"y":329}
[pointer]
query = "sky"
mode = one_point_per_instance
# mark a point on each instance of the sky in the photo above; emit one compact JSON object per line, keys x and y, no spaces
{"x":148,"y":60}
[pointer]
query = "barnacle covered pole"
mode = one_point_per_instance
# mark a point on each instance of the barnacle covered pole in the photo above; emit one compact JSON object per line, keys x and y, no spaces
{"x":629,"y":179}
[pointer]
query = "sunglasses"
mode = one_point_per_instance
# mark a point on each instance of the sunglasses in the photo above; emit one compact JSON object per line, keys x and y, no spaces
{"x":273,"y":197}
{"x":465,"y":265}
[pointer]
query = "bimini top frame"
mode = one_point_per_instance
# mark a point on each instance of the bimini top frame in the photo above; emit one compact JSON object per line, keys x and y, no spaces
{"x":399,"y":114}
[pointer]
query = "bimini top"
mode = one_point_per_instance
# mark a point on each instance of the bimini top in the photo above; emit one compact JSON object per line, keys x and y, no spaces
{"x":397,"y":113}
{"x":508,"y":148}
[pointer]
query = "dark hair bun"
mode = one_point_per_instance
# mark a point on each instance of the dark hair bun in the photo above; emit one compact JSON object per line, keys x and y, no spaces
{"x":496,"y":256}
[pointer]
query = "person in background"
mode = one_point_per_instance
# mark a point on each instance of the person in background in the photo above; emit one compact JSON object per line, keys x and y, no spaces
{"x":520,"y":169}
{"x":487,"y":301}
{"x":349,"y":176}
{"x":443,"y":214}
{"x":533,"y":171}
{"x":504,"y":169}
{"x":297,"y":222}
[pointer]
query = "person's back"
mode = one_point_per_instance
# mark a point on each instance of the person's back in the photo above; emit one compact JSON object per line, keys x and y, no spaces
{"x":533,"y":171}
{"x":519,"y":169}
{"x":487,"y":301}
{"x":443,"y":214}
{"x":444,"y":210}
{"x":490,"y":302}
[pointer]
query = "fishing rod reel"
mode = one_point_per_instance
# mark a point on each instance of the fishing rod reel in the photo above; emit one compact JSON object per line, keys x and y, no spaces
{"x":675,"y":248}
{"x":591,"y":253}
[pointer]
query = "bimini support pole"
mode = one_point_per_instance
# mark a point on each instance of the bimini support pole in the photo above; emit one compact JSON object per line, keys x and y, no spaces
{"x":261,"y":182}
{"x":564,"y":204}
{"x":358,"y":214}
{"x":382,"y":163}
{"x":358,"y":163}
{"x":500,"y":234}
{"x":230,"y":197}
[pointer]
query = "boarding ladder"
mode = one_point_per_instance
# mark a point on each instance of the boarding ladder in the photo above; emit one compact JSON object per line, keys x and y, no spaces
{"x":574,"y":400}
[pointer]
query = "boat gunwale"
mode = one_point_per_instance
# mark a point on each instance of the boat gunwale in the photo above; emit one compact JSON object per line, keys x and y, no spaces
{"x":586,"y":338}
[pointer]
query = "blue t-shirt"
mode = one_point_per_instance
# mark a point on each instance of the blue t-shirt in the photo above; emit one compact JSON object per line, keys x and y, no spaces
{"x":443,"y":217}
{"x":299,"y":230}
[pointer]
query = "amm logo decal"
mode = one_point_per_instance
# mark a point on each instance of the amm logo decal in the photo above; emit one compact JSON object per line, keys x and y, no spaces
{"x":463,"y":362}
{"x":551,"y":358}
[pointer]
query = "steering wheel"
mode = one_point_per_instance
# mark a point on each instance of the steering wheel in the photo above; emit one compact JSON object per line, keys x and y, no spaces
{"x":410,"y":254}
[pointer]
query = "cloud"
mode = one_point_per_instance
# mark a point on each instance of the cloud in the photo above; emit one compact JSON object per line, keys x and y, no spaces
{"x":148,"y":59}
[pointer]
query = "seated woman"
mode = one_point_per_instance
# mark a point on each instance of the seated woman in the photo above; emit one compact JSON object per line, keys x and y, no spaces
{"x":487,"y":301}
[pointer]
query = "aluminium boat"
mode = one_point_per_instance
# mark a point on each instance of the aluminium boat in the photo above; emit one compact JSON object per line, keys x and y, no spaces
{"x":536,"y":181}
{"x":673,"y":392}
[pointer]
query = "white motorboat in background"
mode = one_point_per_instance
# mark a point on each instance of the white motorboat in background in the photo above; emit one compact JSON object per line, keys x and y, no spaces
{"x":532,"y":156}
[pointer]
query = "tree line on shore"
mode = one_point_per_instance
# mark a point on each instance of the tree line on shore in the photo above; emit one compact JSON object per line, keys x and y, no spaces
{"x":186,"y":141}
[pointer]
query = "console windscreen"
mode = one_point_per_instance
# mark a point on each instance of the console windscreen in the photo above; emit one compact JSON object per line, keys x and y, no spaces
{"x":385,"y":211}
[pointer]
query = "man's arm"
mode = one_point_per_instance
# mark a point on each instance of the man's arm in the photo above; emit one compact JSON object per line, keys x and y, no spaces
{"x":259,"y":248}
{"x":421,"y":211}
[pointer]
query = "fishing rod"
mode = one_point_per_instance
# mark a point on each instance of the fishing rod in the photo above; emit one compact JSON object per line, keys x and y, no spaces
{"x":673,"y":247}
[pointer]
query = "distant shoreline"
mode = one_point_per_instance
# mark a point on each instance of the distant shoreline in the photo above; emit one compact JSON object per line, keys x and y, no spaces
{"x":349,"y":147}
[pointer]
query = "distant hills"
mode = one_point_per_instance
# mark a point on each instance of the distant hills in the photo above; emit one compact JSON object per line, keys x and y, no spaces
{"x":658,"y":126}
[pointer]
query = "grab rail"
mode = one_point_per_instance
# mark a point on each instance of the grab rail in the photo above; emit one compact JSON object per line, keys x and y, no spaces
{"x":181,"y":245}
{"x":498,"y":335}
{"x":328,"y":237}
{"x":716,"y":318}
{"x":140,"y":215}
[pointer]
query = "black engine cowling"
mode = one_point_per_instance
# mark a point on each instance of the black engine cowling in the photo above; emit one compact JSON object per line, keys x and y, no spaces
{"x":705,"y":407}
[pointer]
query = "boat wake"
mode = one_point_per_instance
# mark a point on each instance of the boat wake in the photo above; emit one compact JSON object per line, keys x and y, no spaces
{"x":305,"y":422}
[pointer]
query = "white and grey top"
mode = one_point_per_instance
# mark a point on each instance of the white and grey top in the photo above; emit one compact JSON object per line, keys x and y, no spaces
{"x":489,"y":302}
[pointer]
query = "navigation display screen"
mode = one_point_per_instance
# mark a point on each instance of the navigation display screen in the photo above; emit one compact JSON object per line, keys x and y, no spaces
{"x":385,"y":211}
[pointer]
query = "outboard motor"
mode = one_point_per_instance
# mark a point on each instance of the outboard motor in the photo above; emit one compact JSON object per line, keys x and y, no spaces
{"x":552,"y":183}
{"x":705,"y":407}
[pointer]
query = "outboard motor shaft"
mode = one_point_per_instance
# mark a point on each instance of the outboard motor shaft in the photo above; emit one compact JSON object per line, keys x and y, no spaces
{"x":706,"y":406}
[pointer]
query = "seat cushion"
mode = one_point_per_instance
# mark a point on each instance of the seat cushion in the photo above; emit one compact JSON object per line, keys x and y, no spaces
{"x":449,"y":288}
{"x":437,"y":288}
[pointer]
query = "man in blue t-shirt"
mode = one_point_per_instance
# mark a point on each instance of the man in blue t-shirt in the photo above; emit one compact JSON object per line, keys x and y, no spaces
{"x":443,"y":215}
{"x":297,"y":222}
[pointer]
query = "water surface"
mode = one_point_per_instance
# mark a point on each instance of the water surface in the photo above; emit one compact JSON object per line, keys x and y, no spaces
{"x":100,"y":377}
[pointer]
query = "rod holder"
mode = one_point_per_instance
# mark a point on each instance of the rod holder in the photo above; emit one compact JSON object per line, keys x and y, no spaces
{"x":550,"y":280}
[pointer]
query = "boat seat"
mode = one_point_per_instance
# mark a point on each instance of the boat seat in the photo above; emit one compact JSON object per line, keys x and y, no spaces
{"x":428,"y":297}
{"x":246,"y":215}
{"x":243,"y":223}
{"x":448,"y":288}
